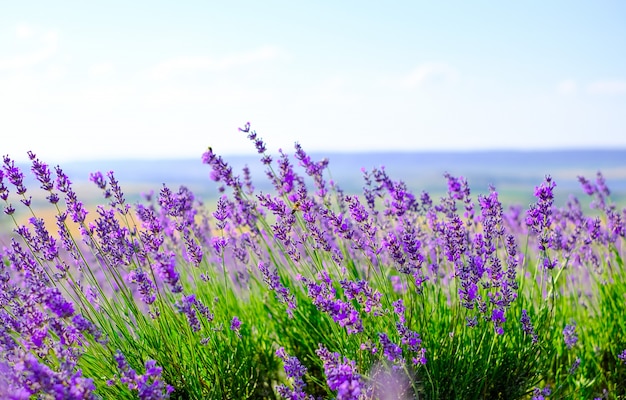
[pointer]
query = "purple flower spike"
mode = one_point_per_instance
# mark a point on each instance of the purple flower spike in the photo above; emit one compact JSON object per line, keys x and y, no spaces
{"x":588,"y":187}
{"x":258,"y":142}
{"x":283,"y":294}
{"x":569,"y":335}
{"x":314,"y":169}
{"x":57,"y":303}
{"x":392,"y":351}
{"x":145,"y":286}
{"x":165,"y":265}
{"x":193,"y":250}
{"x":622,"y":356}
{"x":9,"y":210}
{"x":574,"y":366}
{"x":601,"y":184}
{"x":74,"y":207}
{"x":235,"y":325}
{"x":414,"y":343}
{"x":498,"y":318}
{"x":98,"y":179}
{"x":295,"y":371}
{"x":539,"y":215}
{"x":541,"y":394}
{"x":4,"y":191}
{"x":117,"y":190}
{"x":246,"y":128}
{"x":186,"y":306}
{"x":455,"y":186}
{"x":527,"y":326}
{"x":221,"y":213}
{"x":14,"y":175}
{"x":221,"y":172}
{"x":42,"y":172}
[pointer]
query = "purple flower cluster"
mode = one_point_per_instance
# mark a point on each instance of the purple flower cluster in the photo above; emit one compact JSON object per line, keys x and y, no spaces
{"x":356,"y":259}
{"x":541,"y":394}
{"x":149,"y":386}
{"x":36,"y":319}
{"x":324,"y":296}
{"x":341,"y":375}
{"x":360,"y":291}
{"x":32,"y":379}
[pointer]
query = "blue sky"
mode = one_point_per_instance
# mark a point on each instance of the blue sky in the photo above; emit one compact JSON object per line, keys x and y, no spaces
{"x":80,"y":80}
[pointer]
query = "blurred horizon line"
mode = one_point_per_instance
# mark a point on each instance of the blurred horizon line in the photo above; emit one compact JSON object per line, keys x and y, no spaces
{"x":318,"y":153}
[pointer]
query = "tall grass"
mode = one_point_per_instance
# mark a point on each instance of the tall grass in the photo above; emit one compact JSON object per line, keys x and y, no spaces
{"x":308,"y":292}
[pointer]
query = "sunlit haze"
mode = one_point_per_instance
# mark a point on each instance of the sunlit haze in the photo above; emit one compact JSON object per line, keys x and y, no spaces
{"x":85,"y":80}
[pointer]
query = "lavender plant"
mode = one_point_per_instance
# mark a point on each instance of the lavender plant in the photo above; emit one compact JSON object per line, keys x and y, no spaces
{"x":309,"y":292}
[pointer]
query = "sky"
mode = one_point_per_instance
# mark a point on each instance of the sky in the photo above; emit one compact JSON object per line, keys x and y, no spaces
{"x":156,"y":79}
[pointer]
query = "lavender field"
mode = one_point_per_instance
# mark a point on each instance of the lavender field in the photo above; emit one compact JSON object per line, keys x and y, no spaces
{"x":287,"y":285}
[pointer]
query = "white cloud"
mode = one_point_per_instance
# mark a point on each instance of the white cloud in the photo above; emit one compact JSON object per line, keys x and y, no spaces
{"x":20,"y":61}
{"x":430,"y":73}
{"x":567,"y":87}
{"x":101,"y":69}
{"x":334,"y":91}
{"x":54,"y":72}
{"x":23,"y":31}
{"x":617,"y":86}
{"x":170,"y":67}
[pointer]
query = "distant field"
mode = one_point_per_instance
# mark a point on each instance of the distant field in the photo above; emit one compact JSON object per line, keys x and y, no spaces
{"x":514,"y":174}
